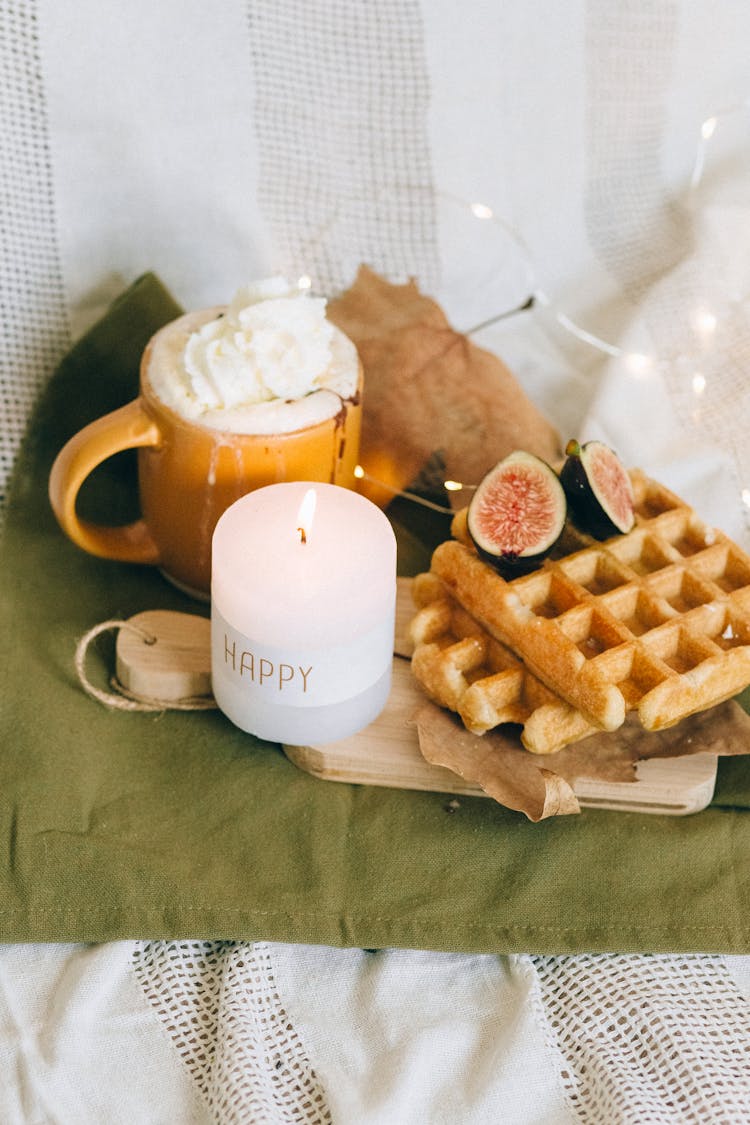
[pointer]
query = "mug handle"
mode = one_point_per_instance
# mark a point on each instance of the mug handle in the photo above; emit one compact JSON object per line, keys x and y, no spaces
{"x":126,"y":428}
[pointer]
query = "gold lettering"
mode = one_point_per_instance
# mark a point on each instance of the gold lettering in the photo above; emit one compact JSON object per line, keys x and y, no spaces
{"x":246,"y":663}
{"x":304,"y":672}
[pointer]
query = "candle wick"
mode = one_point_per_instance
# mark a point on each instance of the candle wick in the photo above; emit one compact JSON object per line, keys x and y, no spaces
{"x":302,"y":534}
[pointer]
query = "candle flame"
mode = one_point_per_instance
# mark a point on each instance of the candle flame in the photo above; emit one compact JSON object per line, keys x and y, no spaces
{"x":306,"y":513}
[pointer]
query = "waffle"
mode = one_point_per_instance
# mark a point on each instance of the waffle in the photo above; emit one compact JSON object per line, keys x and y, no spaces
{"x":461,"y":667}
{"x":656,"y":621}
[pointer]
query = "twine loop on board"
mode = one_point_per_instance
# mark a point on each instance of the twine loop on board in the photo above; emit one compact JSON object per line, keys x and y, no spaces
{"x":121,"y":698}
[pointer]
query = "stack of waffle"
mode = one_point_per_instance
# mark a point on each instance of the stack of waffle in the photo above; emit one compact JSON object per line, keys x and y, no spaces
{"x":656,"y":621}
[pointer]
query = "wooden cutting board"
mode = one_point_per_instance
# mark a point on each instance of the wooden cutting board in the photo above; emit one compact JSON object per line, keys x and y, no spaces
{"x":387,"y":753}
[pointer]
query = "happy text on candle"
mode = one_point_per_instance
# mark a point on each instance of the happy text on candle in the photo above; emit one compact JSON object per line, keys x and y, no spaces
{"x":263,"y":671}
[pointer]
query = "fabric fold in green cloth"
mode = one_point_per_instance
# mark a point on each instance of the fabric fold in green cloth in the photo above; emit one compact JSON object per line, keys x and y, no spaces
{"x":116,"y":825}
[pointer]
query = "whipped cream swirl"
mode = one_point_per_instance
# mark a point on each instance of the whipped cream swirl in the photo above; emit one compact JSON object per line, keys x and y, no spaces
{"x":269,"y":363}
{"x":272,"y":342}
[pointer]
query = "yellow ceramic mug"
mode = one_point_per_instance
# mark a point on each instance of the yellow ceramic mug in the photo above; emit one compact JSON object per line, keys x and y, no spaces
{"x":189,"y":473}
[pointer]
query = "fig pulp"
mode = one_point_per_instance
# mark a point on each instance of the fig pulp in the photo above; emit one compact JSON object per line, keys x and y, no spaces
{"x":598,"y":489}
{"x":517,"y":513}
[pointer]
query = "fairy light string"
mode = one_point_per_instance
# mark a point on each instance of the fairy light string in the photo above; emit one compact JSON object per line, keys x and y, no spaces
{"x":448,"y":485}
{"x":704,"y":322}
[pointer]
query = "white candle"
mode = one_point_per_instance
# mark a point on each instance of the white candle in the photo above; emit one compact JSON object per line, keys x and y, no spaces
{"x":302,"y":612}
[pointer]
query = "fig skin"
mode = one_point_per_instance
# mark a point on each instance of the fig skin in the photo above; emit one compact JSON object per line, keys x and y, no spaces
{"x":547,"y":512}
{"x":587,"y":511}
{"x":511,"y":566}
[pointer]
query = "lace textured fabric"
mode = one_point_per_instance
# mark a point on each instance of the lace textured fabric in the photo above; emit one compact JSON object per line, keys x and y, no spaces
{"x":653,"y":1039}
{"x":221,"y":1007}
{"x":645,"y":1038}
{"x":649,"y":1039}
{"x":341,"y":119}
{"x":656,"y":248}
{"x":32,"y":305}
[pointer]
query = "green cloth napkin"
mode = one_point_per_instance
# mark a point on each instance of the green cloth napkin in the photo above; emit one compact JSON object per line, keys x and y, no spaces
{"x":119,"y":825}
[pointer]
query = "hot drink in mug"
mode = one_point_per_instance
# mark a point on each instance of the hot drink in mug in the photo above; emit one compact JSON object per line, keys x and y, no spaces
{"x":266,"y":390}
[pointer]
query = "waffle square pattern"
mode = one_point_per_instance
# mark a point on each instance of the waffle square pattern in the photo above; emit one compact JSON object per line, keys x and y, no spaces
{"x":656,"y":621}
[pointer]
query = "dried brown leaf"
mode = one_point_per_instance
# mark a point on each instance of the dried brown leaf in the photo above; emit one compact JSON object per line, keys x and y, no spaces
{"x":428,"y":387}
{"x":505,"y":772}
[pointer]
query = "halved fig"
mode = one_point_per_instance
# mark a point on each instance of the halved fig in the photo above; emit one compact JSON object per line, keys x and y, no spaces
{"x":598,"y":489}
{"x":517,"y":513}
